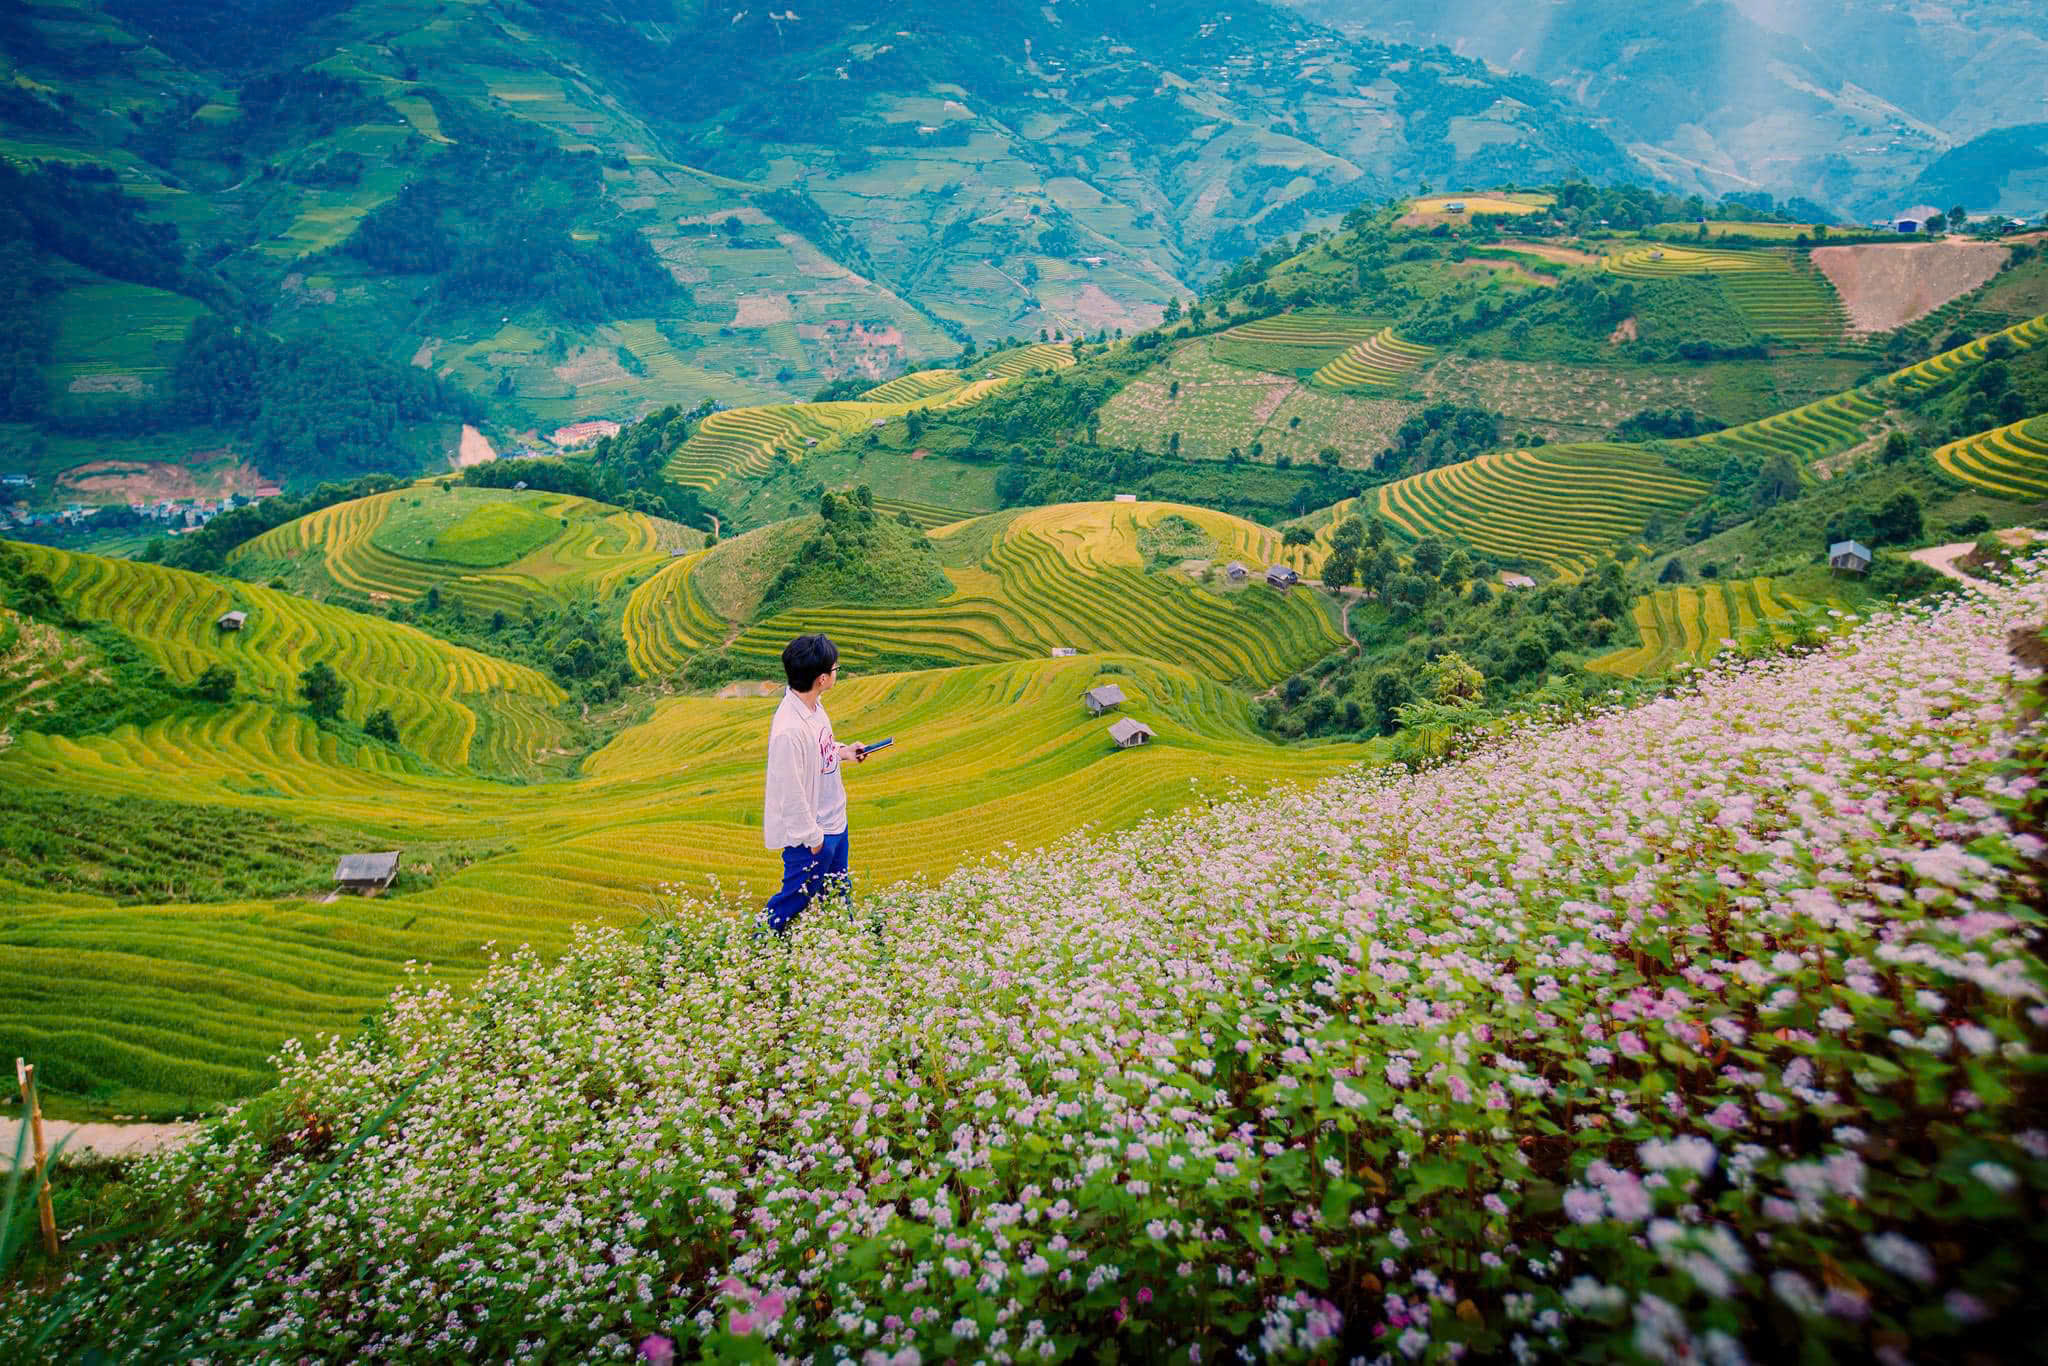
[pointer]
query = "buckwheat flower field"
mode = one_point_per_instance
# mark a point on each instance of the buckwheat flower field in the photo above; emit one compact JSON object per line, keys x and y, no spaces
{"x":1705,"y":1031}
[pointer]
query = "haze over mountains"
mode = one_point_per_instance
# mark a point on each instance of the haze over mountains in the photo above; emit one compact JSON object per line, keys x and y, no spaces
{"x":1839,"y":101}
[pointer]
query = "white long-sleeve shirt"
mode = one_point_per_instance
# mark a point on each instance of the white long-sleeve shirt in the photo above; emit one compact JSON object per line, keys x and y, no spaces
{"x":805,"y":798}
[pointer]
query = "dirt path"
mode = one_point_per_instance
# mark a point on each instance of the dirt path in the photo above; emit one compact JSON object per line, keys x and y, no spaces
{"x":83,"y":1142}
{"x":1942,"y":560}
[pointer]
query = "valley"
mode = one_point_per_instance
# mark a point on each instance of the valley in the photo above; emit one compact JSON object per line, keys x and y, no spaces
{"x":1458,"y":607}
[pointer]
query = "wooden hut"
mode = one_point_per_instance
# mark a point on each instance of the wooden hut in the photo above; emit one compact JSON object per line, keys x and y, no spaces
{"x":1281,"y":576}
{"x":1128,"y":734}
{"x":1100,"y":700}
{"x":232,"y":621}
{"x":366,"y":873}
{"x":1851,"y":556}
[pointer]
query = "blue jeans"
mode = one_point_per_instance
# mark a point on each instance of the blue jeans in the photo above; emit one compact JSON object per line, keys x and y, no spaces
{"x":805,"y":877}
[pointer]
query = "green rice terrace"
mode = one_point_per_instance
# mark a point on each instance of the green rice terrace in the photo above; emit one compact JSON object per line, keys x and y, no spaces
{"x":1378,"y":364}
{"x":1692,"y":624}
{"x":738,"y":443}
{"x":1025,"y":583}
{"x":490,"y":549}
{"x":2012,"y":461}
{"x":154,"y":1008}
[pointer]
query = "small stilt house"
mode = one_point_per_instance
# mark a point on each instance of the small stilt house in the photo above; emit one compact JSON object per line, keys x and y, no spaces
{"x":366,"y":873}
{"x":1063,"y":652}
{"x":1235,"y":570}
{"x":1100,"y":700}
{"x":1282,"y":576}
{"x":1851,"y":556}
{"x":1128,"y":734}
{"x":232,"y":621}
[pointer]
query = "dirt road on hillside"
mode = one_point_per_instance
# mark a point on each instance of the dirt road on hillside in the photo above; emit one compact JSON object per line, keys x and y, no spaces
{"x":94,"y":1142}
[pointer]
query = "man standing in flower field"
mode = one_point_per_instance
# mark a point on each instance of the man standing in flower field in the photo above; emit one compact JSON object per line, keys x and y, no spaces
{"x":804,"y":809}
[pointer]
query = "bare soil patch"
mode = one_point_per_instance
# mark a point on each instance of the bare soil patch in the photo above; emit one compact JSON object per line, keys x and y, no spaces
{"x":1550,"y":251}
{"x":424,"y":357}
{"x":474,"y":450}
{"x":107,"y":384}
{"x":1625,"y":332}
{"x":753,"y":687}
{"x":140,"y":481}
{"x":592,"y":366}
{"x":760,"y":310}
{"x":1885,"y":286}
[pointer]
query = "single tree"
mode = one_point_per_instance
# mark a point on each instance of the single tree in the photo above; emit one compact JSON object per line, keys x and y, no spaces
{"x":381,"y":725}
{"x":216,"y":684}
{"x":1898,"y":522}
{"x":322,"y":690}
{"x":1297,"y":534}
{"x":1331,"y":457}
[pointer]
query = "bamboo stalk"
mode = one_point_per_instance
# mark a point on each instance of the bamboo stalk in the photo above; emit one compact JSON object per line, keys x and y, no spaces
{"x":25,"y":1073}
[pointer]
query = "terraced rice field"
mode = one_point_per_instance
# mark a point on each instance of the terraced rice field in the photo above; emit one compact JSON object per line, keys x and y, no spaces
{"x":1806,"y":433}
{"x":2011,"y":461}
{"x":667,"y":621}
{"x":745,"y":442}
{"x":1380,"y":362}
{"x":1798,"y":307}
{"x":1662,"y":262}
{"x":1687,"y":624}
{"x":2024,"y":336}
{"x":1291,"y":343}
{"x":597,"y":550}
{"x":1562,"y":506}
{"x":1066,"y":576}
{"x":163,"y":1007}
{"x":457,"y":709}
{"x":913,"y":387}
{"x":924,"y":515}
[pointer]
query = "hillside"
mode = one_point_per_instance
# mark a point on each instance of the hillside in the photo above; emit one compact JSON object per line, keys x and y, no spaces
{"x":489,"y":549}
{"x":1142,"y":578}
{"x":559,"y":214}
{"x":144,"y":1008}
{"x":1598,"y":995}
{"x":1834,"y":102}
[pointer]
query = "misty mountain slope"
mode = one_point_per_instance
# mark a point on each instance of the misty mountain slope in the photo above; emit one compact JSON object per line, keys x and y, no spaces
{"x":1840,"y":103}
{"x":833,"y":194}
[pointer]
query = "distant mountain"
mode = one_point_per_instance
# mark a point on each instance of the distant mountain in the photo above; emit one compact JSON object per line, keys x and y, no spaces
{"x":2005,"y":170}
{"x":1841,"y":101}
{"x":569,"y":210}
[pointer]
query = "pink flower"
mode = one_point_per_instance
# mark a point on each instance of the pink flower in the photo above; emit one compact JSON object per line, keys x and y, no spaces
{"x":742,"y":1324}
{"x":1144,"y":1294}
{"x":657,"y":1350}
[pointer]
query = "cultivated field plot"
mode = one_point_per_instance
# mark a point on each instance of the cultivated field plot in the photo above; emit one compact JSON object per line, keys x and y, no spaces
{"x":1661,"y":262}
{"x":1561,"y":506}
{"x":1934,"y":370}
{"x":457,"y":709}
{"x":746,"y":442}
{"x":1381,"y":363}
{"x":1797,"y":307}
{"x":1070,"y":576}
{"x":1218,"y":407}
{"x":1777,"y":232}
{"x":1575,"y":402}
{"x":1430,"y":210}
{"x":1293,"y":343}
{"x":1807,"y":433}
{"x":1685,"y":624}
{"x":115,"y":341}
{"x":2011,"y":461}
{"x":159,"y":1008}
{"x":490,"y":549}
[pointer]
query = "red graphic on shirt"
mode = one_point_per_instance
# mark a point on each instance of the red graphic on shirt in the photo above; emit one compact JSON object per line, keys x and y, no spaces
{"x":828,"y":752}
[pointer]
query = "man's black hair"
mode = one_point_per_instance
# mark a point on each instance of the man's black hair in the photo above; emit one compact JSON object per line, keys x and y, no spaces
{"x":804,"y":658}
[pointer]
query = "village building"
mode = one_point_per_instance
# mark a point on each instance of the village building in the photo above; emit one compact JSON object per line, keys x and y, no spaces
{"x":232,"y":621}
{"x":1508,"y":580}
{"x":1063,"y":652}
{"x":1851,"y":556}
{"x":1281,"y":576}
{"x":1100,"y":700}
{"x":16,"y":481}
{"x":1127,"y":497}
{"x":1127,"y":733}
{"x":583,"y":433}
{"x":366,"y":873}
{"x":1914,"y":219}
{"x":1235,"y":570}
